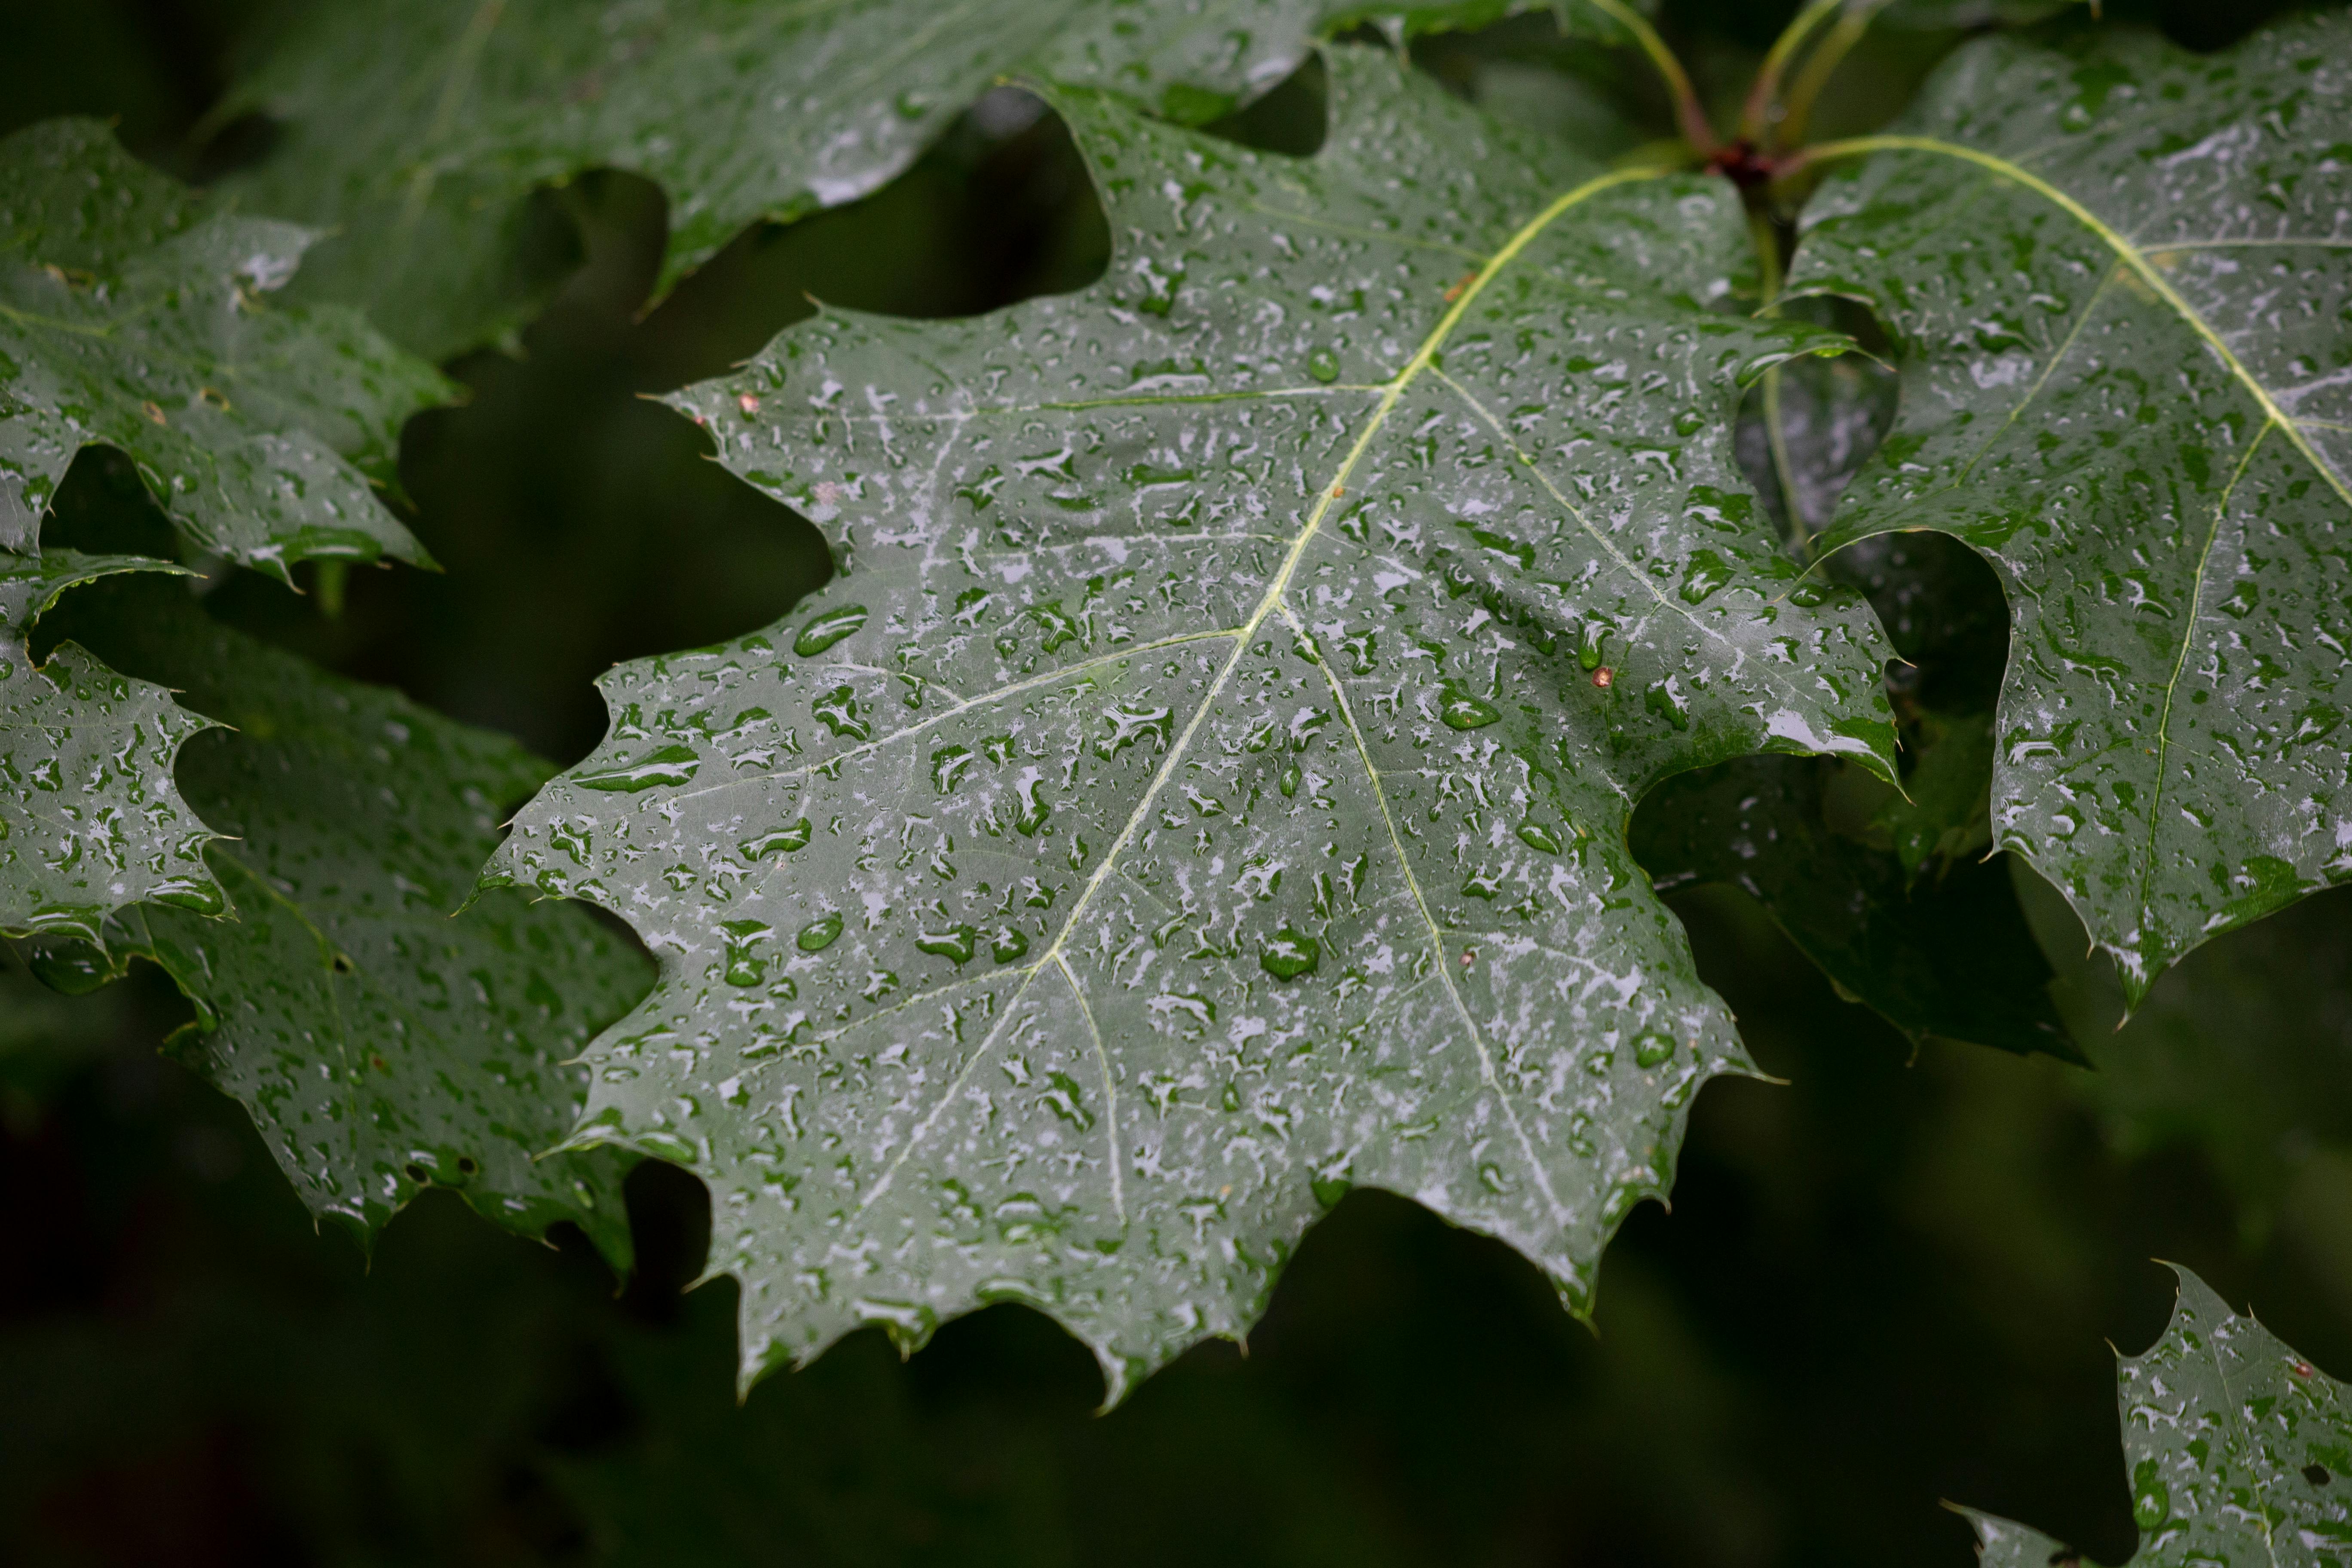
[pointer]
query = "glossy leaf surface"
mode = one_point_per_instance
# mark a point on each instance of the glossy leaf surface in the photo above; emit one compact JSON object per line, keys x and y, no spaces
{"x":2237,"y":1450}
{"x":379,"y":1043}
{"x":131,"y":315}
{"x":2117,"y":279}
{"x":1204,"y":786}
{"x":418,"y":127}
{"x":90,"y":818}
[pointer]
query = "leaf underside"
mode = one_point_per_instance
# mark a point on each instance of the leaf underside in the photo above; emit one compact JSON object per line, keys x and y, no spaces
{"x":133,"y":316}
{"x":379,"y":1045}
{"x":2237,"y":1450}
{"x":1205,"y":784}
{"x":2118,"y":281}
{"x":418,"y":128}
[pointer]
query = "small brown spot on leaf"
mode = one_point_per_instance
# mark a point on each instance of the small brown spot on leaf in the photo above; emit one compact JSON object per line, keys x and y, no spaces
{"x":1604,"y":678}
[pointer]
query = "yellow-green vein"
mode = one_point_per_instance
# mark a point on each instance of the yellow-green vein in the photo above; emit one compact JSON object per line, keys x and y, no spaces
{"x":1422,"y":359}
{"x":2133,"y":257}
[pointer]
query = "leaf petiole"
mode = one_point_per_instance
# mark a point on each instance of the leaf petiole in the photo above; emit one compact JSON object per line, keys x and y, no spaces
{"x":1754,"y":119}
{"x":1796,"y":108}
{"x":1688,"y":115}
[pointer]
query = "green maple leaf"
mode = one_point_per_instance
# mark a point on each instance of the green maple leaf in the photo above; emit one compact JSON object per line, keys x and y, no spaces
{"x":2116,"y":280}
{"x":379,"y":1045}
{"x":1204,"y":786}
{"x":91,"y":819}
{"x":133,"y":315}
{"x":2237,"y":1450}
{"x":419,"y":127}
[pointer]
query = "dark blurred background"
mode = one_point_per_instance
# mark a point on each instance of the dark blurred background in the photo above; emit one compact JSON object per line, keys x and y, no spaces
{"x":1893,"y":1280}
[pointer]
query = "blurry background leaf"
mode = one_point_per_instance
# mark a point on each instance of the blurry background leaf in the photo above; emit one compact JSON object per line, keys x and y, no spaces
{"x":421,"y":128}
{"x":381,"y":1044}
{"x":133,"y":314}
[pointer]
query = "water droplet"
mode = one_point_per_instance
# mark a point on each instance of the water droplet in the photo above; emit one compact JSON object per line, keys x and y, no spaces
{"x":838,"y":709}
{"x":2151,"y":1502}
{"x":744,"y":964}
{"x":1461,"y":710}
{"x":828,"y":630}
{"x":1653,"y":1048}
{"x":1063,"y":1097}
{"x":956,"y":944}
{"x":1130,"y":723}
{"x":1536,"y":835}
{"x":1034,"y":810}
{"x":1289,"y":784}
{"x":1331,"y":1182}
{"x":1705,"y":574}
{"x":1323,"y":365}
{"x":910,"y":1324}
{"x":819,"y":933}
{"x":776,"y":841}
{"x":1290,"y":954}
{"x":1058,"y":626}
{"x":1008,"y":944}
{"x":949,"y":763}
{"x":1665,"y":700}
{"x":671,"y":765}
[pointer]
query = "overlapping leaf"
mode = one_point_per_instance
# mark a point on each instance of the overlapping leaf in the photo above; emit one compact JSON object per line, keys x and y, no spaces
{"x":1204,"y":785}
{"x":1946,"y":954}
{"x":2118,"y":278}
{"x":130,"y":316}
{"x":2239,"y":1450}
{"x":418,"y":127}
{"x":379,"y":1044}
{"x":1890,"y":893}
{"x":91,"y":819}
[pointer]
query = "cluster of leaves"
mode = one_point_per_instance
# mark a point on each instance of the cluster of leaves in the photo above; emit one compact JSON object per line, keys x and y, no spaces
{"x":1208,"y":782}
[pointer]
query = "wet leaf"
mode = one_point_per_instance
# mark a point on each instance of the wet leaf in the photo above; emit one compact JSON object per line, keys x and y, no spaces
{"x":1266,"y":707}
{"x":2117,"y":279}
{"x":380,"y":1044}
{"x":133,"y":314}
{"x":2237,"y":1450}
{"x":91,"y":819}
{"x":418,"y":128}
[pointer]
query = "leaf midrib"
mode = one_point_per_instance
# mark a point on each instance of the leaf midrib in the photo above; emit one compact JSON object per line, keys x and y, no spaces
{"x":1267,"y":606}
{"x":2130,"y":252}
{"x":2274,"y":418}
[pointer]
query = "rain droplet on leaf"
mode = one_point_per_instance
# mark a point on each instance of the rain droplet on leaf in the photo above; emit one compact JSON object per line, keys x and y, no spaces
{"x":1461,"y":710}
{"x":828,"y":630}
{"x":1290,"y":954}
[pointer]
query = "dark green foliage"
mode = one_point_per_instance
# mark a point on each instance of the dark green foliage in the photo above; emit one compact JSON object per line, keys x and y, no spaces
{"x":1260,"y":648}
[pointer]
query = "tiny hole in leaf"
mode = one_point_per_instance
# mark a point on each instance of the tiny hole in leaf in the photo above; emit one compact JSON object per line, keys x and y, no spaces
{"x":2317,"y":1475}
{"x":341,"y":963}
{"x":415,"y":1174}
{"x":466,"y":1166}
